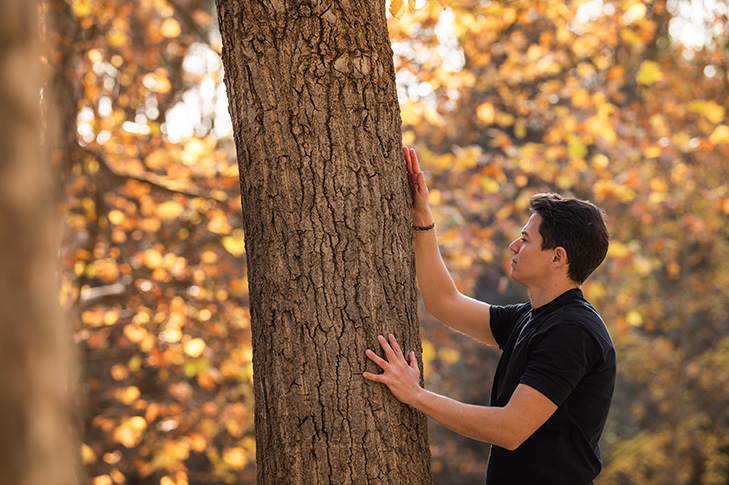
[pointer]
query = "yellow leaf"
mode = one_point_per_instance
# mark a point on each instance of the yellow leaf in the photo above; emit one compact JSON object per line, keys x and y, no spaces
{"x":82,"y":9}
{"x":95,"y":55}
{"x":411,"y":6}
{"x":714,"y":112}
{"x":649,"y":73}
{"x":170,"y":28}
{"x":486,"y":113}
{"x":397,"y":8}
{"x":720,"y":135}
{"x":637,"y":11}
{"x":634,"y":319}
{"x":218,"y":222}
{"x":116,"y":217}
{"x":172,"y":453}
{"x":581,"y":99}
{"x":444,"y":3}
{"x":169,"y":210}
{"x":235,"y":458}
{"x":153,"y":258}
{"x":209,"y":257}
{"x":117,"y":38}
{"x":171,"y":335}
{"x":135,"y":333}
{"x":127,"y":395}
{"x":234,"y":245}
{"x":428,"y":353}
{"x":653,"y":151}
{"x":130,"y":431}
{"x":102,"y":480}
{"x":195,"y":347}
{"x":87,"y":454}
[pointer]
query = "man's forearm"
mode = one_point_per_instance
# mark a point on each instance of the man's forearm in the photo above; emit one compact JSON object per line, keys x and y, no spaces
{"x":434,"y":281}
{"x":483,"y":423}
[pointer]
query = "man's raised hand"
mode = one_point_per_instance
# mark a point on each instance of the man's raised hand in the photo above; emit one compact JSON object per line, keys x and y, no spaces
{"x":416,"y":179}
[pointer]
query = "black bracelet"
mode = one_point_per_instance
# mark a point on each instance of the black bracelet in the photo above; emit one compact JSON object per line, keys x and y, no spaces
{"x":423,"y":228}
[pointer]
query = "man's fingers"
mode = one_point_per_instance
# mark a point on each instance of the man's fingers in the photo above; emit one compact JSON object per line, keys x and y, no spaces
{"x":372,"y":377}
{"x":389,"y":353}
{"x":414,"y":362}
{"x":420,"y":182}
{"x":408,"y":164}
{"x":396,"y":347}
{"x":376,"y":359}
{"x":414,"y":161}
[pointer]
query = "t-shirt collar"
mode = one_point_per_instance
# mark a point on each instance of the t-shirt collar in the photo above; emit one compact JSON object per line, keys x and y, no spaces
{"x":567,"y":295}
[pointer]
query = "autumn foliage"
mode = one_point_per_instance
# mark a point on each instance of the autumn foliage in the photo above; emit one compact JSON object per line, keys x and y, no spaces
{"x":611,"y":101}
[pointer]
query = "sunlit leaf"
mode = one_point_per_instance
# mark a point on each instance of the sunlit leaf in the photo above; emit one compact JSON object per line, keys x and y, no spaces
{"x":127,"y":395}
{"x":649,"y":73}
{"x":135,"y":333}
{"x":634,"y":318}
{"x":720,"y":135}
{"x":130,"y":431}
{"x":714,"y":112}
{"x":397,"y":8}
{"x":170,"y":28}
{"x":88,"y":455}
{"x":235,"y":458}
{"x":235,"y":245}
{"x":169,"y":210}
{"x":82,"y":8}
{"x":153,"y":258}
{"x":102,"y":480}
{"x":195,"y":347}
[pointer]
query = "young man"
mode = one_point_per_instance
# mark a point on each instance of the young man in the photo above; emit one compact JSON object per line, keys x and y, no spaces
{"x":553,"y":385}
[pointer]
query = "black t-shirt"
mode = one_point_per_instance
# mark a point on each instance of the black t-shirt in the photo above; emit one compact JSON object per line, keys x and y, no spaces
{"x":563,"y":350}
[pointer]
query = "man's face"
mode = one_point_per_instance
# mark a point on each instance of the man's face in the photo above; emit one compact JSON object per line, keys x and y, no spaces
{"x":530,"y":263}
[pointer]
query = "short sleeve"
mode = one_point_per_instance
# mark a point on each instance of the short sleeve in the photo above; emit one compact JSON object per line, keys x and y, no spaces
{"x":504,"y":319}
{"x":559,"y":359}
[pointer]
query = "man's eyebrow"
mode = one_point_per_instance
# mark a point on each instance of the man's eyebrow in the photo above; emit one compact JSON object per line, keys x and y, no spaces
{"x":524,"y":233}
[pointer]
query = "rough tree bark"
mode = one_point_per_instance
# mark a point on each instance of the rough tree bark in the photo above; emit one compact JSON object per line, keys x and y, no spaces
{"x":36,"y":444}
{"x":312,"y":96}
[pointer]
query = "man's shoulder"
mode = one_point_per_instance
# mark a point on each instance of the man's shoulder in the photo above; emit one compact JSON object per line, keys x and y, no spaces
{"x":578,"y":317}
{"x":513,"y":311}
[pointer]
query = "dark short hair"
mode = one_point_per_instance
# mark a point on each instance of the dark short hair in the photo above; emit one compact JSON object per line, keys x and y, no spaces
{"x":576,"y":225}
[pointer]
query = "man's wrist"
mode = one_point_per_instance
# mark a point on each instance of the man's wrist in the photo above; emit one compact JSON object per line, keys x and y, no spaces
{"x":418,"y":399}
{"x":427,"y":228}
{"x":423,"y":220}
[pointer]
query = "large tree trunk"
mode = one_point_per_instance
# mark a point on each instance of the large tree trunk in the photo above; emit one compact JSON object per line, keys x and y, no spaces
{"x":36,"y":446}
{"x":329,"y":246}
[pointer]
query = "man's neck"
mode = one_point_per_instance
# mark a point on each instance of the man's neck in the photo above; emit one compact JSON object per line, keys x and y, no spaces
{"x":542,"y":295}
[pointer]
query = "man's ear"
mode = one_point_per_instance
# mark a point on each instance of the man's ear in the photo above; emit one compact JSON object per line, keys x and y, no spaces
{"x":559,"y":257}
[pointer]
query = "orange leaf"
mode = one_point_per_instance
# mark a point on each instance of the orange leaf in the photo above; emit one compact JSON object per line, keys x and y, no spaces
{"x":397,"y":8}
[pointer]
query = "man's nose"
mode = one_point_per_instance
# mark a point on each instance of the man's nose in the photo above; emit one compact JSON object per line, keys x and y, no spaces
{"x":514,"y":246}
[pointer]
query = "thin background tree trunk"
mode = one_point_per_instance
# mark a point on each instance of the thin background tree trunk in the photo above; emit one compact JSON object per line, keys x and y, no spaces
{"x":36,"y":445}
{"x":329,"y":244}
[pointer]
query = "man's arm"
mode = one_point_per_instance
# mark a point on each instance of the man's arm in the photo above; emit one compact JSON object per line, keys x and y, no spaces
{"x":507,"y":427}
{"x":440,"y":295}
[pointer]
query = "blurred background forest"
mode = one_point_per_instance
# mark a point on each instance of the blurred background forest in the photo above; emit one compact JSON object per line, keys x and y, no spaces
{"x":623,"y":102}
